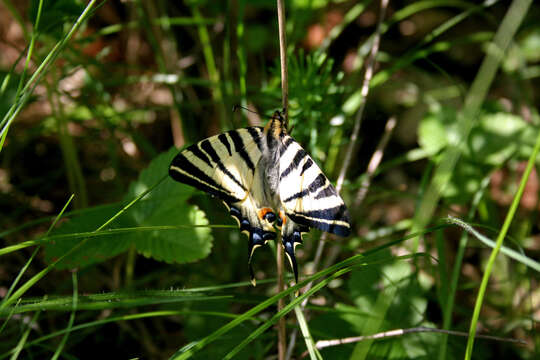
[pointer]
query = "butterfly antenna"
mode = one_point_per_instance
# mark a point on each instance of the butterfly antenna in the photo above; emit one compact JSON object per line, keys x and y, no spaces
{"x":236,"y":107}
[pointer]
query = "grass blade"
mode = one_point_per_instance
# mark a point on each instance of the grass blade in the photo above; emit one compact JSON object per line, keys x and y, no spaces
{"x":504,"y":230}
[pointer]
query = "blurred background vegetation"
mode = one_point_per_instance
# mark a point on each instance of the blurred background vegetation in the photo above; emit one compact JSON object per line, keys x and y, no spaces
{"x":96,"y":112}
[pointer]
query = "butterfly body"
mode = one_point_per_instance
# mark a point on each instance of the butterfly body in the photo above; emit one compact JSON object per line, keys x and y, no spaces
{"x":266,"y":180}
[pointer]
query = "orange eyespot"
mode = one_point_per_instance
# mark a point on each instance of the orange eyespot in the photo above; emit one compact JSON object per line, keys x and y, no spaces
{"x":261,"y":213}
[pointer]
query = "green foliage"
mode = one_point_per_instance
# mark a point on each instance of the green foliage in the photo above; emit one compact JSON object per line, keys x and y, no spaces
{"x":102,"y":100}
{"x":167,"y":205}
{"x":314,"y":101}
{"x":55,"y":14}
{"x":8,"y":90}
{"x":497,"y":137}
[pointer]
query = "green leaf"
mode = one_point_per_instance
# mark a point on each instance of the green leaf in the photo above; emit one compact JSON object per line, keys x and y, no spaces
{"x":166,"y":205}
{"x":499,"y":136}
{"x":496,"y":138}
{"x":465,"y":182}
{"x":437,"y":128}
{"x":530,"y":45}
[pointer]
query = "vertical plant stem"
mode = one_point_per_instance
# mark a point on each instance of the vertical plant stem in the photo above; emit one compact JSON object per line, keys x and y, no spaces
{"x":166,"y":55}
{"x":74,"y":173}
{"x":282,"y":341}
{"x":365,"y":184}
{"x":495,"y":252}
{"x":283,"y":59}
{"x":370,"y":63}
{"x":281,"y":304}
{"x":241,"y":55}
{"x":130,"y":265}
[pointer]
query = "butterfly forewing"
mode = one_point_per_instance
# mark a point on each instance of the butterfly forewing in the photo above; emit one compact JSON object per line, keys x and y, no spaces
{"x":307,"y":195}
{"x":222,"y":165}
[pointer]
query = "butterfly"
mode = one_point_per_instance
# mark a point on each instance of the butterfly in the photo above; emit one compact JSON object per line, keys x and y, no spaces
{"x":267,"y":181}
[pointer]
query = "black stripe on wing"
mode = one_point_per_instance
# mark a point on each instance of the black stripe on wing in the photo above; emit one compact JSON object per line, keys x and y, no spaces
{"x":334,"y":220}
{"x":183,"y":170}
{"x":255,"y":133}
{"x":307,"y":165}
{"x":298,"y":157}
{"x":225,"y":142}
{"x":198,"y":153}
{"x":326,"y":191}
{"x":315,"y":186}
{"x":239,"y":146}
{"x":207,"y":147}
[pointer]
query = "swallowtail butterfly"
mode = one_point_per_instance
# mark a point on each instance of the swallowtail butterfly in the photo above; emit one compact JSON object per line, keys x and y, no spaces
{"x":264,"y":177}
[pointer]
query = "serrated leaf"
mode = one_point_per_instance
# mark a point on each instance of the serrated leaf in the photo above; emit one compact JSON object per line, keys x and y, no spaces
{"x":165,"y":205}
{"x":179,"y":246}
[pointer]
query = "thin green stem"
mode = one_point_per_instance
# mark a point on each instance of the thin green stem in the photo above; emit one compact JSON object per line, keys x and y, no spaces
{"x":130,"y":265}
{"x":98,"y":323}
{"x":71,"y":317}
{"x":40,"y":71}
{"x":24,"y":337}
{"x":495,"y":252}
{"x":34,"y":253}
{"x":108,"y":232}
{"x":456,"y":271}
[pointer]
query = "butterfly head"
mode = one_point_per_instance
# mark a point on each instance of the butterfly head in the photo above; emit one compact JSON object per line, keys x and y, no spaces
{"x":277,"y":125}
